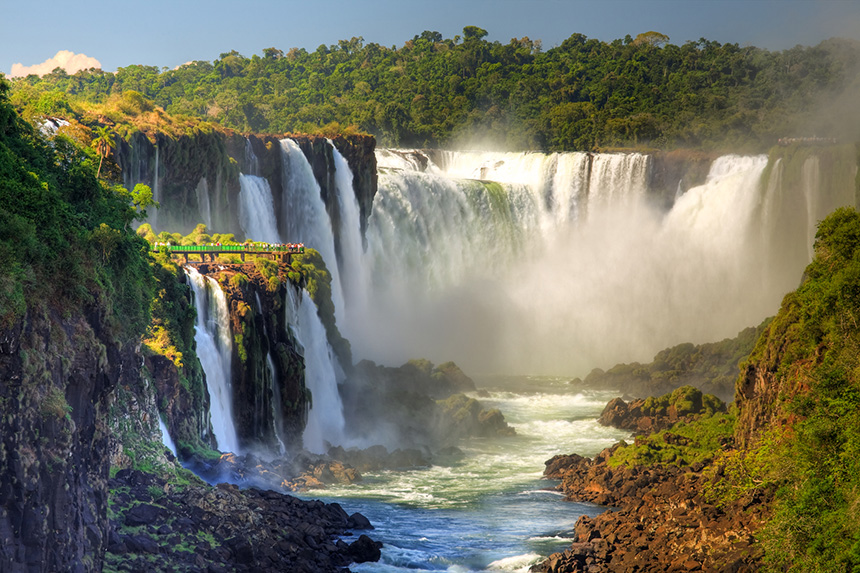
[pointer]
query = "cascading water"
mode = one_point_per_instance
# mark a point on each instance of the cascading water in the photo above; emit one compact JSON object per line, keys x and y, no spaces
{"x":256,"y":211}
{"x":214,"y":349}
{"x":202,"y":193}
{"x":152,"y":214}
{"x":277,"y":413}
{"x":165,"y":437}
{"x":352,"y":272}
{"x":252,"y":163}
{"x":559,"y":263}
{"x":304,"y":217}
{"x":325,"y":421}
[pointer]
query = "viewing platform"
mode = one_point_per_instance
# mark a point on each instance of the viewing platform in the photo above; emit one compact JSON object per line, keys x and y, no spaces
{"x":276,"y":251}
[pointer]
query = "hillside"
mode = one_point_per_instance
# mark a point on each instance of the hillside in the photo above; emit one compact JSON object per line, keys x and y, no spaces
{"x":584,"y":94}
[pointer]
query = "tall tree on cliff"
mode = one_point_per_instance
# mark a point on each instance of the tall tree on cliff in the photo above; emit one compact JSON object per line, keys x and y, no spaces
{"x":103,"y":143}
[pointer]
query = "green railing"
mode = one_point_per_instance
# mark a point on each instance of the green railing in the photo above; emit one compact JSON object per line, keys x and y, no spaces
{"x":243,"y":248}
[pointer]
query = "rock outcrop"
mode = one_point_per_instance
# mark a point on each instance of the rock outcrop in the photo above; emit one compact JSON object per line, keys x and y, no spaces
{"x":198,"y":528}
{"x":663,"y":521}
{"x":685,"y":404}
{"x":710,"y":367}
{"x":417,"y":405}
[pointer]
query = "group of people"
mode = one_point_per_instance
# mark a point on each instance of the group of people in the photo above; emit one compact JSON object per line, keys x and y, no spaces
{"x":295,"y":248}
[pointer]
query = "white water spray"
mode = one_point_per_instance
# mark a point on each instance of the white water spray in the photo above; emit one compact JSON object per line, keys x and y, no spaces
{"x":559,"y":264}
{"x":256,"y":211}
{"x":305,"y":219}
{"x":165,"y":437}
{"x":325,"y":422}
{"x":215,"y":349}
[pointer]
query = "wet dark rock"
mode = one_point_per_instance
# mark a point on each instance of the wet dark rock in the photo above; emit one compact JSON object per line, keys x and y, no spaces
{"x":358,"y":521}
{"x":365,"y":549}
{"x":233,"y":529}
{"x":144,"y":514}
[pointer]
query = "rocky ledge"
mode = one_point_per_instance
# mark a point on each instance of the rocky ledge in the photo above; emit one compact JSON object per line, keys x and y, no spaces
{"x":663,"y":521}
{"x":157,"y":526}
{"x":643,"y":416}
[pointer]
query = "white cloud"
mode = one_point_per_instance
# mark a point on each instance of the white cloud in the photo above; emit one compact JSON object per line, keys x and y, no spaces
{"x":69,"y":61}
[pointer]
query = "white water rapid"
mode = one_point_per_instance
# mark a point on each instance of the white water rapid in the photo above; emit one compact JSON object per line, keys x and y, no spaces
{"x":214,"y":349}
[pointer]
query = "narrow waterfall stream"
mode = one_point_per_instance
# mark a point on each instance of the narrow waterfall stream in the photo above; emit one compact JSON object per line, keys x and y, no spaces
{"x":214,"y":349}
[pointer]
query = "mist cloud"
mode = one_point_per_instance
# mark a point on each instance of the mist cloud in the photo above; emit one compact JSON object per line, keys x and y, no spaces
{"x":65,"y":59}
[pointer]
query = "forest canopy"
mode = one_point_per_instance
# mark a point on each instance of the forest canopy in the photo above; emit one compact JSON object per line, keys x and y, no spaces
{"x":584,"y":94}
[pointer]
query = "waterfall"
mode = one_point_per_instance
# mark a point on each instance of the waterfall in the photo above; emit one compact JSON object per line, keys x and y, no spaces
{"x":325,"y":421}
{"x":251,"y":161}
{"x":152,"y":214}
{"x":202,"y":193}
{"x":165,"y":437}
{"x":305,"y":219}
{"x":556,"y":263}
{"x":256,"y":211}
{"x":277,"y":412}
{"x":214,"y":349}
{"x":352,"y":272}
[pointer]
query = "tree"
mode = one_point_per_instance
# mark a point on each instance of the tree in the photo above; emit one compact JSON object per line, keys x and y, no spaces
{"x":652,"y":38}
{"x":141,"y":198}
{"x":103,"y":143}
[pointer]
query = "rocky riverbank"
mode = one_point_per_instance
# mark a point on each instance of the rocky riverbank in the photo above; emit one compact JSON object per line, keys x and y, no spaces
{"x":661,"y":519}
{"x":194,"y":527}
{"x":662,"y":512}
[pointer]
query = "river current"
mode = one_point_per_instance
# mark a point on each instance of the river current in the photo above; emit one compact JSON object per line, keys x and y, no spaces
{"x":490,"y":510}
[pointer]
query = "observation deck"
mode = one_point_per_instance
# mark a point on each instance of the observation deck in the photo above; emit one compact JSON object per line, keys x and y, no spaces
{"x":276,"y":251}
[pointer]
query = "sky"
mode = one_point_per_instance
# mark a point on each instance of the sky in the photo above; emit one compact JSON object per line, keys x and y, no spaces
{"x":168,"y":33}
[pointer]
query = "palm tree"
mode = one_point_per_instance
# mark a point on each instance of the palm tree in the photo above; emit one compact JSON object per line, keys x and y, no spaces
{"x":103,"y":143}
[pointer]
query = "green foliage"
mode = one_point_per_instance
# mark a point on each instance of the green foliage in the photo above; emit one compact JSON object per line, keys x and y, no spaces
{"x":583,"y":94}
{"x":683,"y":444}
{"x":54,"y":404}
{"x":64,"y":236}
{"x":238,"y":280}
{"x":712,"y":367}
{"x":171,"y":331}
{"x":812,"y":351}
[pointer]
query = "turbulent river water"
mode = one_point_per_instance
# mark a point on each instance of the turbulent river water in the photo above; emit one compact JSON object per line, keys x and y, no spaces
{"x":490,"y":510}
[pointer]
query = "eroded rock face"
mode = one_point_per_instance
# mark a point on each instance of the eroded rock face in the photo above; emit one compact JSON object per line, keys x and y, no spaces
{"x":57,"y":376}
{"x":196,"y":176}
{"x":663,"y":521}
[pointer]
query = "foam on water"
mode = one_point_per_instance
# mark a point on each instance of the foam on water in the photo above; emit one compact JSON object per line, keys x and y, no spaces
{"x":449,"y":517}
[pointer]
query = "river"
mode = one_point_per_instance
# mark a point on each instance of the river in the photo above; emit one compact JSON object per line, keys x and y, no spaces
{"x":490,"y":510}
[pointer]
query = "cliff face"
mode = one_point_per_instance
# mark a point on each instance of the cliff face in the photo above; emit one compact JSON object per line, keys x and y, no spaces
{"x":196,"y":177}
{"x":58,"y":376}
{"x":270,"y":399}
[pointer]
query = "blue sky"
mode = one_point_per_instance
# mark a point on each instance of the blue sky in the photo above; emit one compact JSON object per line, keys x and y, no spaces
{"x":167,"y":33}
